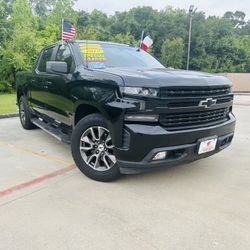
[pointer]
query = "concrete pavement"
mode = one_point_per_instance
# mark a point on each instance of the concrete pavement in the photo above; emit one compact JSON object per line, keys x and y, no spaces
{"x":202,"y":205}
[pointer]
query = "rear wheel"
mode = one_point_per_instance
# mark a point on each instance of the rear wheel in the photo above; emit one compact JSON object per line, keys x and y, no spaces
{"x":24,"y":114}
{"x":92,"y":149}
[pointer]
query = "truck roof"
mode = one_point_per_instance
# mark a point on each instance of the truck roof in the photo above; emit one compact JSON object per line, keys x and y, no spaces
{"x":89,"y":41}
{"x":101,"y":42}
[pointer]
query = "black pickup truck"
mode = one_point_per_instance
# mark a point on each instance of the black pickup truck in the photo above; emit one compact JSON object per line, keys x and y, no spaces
{"x":121,"y":110}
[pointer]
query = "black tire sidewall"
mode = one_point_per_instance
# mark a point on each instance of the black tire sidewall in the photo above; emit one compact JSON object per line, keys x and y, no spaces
{"x":85,"y":123}
{"x":27,"y":124}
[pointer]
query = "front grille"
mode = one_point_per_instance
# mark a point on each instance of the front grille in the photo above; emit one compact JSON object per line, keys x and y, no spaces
{"x":195,"y":102}
{"x":188,"y":120}
{"x":193,"y":91}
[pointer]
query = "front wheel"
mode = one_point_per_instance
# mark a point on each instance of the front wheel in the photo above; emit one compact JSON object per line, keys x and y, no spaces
{"x":92,"y":149}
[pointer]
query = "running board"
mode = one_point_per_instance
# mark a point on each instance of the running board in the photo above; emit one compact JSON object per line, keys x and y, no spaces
{"x":56,"y":132}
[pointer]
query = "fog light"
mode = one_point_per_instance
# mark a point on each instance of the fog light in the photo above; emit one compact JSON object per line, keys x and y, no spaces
{"x":142,"y":118}
{"x":160,"y":156}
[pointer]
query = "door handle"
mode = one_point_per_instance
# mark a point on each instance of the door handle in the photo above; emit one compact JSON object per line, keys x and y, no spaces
{"x":47,"y":84}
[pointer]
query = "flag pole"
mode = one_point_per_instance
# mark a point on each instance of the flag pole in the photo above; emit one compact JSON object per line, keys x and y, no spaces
{"x":62,"y":31}
{"x":142,"y":35}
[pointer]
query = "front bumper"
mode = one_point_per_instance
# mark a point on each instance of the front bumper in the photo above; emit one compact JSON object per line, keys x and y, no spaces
{"x":144,"y":141}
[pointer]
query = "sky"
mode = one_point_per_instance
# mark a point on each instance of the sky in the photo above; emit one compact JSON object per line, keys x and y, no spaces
{"x":210,"y":7}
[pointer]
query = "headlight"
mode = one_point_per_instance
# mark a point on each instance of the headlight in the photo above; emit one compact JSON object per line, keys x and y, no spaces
{"x":140,"y":91}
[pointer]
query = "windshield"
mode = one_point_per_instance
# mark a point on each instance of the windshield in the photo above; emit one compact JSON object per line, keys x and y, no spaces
{"x":101,"y":56}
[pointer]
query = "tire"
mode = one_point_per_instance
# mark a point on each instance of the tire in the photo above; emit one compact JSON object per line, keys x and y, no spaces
{"x":92,"y":149}
{"x":24,"y":114}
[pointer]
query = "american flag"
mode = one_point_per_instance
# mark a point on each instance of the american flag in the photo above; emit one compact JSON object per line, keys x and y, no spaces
{"x":68,"y":31}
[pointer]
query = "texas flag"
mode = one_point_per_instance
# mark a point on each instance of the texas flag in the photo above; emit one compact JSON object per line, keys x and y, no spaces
{"x":146,"y":43}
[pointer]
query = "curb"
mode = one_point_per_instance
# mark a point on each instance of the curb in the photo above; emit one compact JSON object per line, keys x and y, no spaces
{"x":9,"y":115}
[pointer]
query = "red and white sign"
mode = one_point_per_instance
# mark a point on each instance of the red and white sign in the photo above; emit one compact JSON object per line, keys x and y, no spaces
{"x":146,"y":43}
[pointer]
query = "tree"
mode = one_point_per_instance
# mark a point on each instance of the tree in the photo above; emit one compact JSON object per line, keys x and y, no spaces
{"x":98,"y":19}
{"x":172,"y":52}
{"x":49,"y":35}
{"x":237,"y":18}
{"x":20,"y":51}
{"x":92,"y":33}
{"x":41,"y":7}
{"x":125,"y":39}
{"x":232,"y":56}
{"x":245,"y":30}
{"x":62,"y":9}
{"x":22,"y":17}
{"x":82,"y":19}
{"x":5,"y":8}
{"x":5,"y":11}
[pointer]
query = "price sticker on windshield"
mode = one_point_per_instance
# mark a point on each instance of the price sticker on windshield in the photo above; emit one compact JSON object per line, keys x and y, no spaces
{"x":92,"y":52}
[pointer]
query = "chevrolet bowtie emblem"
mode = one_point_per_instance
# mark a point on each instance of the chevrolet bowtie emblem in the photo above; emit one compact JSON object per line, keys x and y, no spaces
{"x":209,"y":102}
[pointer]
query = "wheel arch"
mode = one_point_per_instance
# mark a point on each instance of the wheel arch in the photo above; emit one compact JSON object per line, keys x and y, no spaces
{"x":113,"y":115}
{"x":19,"y":93}
{"x":85,"y":109}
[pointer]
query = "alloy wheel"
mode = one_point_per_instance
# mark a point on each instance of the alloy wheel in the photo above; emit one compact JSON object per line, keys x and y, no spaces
{"x":96,"y":148}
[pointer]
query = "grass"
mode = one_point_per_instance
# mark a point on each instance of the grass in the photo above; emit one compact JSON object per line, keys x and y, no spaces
{"x":8,"y":104}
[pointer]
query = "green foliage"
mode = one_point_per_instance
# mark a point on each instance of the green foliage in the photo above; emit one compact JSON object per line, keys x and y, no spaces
{"x":49,"y":35}
{"x":20,"y":51}
{"x":92,"y":33}
{"x":232,"y":56}
{"x":219,"y":44}
{"x":5,"y":86}
{"x":41,"y":7}
{"x":5,"y":9}
{"x":237,"y":18}
{"x":62,"y":9}
{"x":125,"y":39}
{"x":22,"y":17}
{"x":18,"y":54}
{"x":172,"y":52}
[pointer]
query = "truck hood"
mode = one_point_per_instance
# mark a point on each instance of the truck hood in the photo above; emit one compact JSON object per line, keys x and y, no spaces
{"x":164,"y":77}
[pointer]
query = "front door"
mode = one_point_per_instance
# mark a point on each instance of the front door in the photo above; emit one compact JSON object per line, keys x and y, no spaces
{"x":58,"y":101}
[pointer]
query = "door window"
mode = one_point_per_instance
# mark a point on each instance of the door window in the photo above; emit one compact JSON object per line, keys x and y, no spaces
{"x":64,"y":55}
{"x":45,"y":57}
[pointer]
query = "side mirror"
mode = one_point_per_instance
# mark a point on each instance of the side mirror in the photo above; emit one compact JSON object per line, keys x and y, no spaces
{"x":56,"y":67}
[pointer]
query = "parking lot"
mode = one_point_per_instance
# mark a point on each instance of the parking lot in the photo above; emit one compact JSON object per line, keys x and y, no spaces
{"x":46,"y":203}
